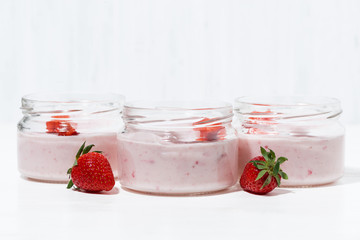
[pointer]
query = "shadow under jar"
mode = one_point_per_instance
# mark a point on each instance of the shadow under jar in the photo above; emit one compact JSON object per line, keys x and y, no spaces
{"x":305,"y":130}
{"x":54,"y":126}
{"x":178,"y":148}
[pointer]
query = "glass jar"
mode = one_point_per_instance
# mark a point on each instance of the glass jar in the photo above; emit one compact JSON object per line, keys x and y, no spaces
{"x":178,"y":148}
{"x":54,"y":126}
{"x":306,"y":130}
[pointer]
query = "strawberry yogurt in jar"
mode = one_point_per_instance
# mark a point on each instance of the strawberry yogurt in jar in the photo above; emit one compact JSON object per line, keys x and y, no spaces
{"x":178,"y":148}
{"x":305,"y":130}
{"x":54,"y":126}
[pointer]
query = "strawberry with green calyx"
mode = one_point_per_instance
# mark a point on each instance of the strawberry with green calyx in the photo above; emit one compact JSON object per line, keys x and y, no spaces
{"x":263,"y":173}
{"x":91,"y":171}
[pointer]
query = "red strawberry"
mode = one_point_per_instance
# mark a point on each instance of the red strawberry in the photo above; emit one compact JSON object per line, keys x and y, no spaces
{"x":91,"y":171}
{"x":61,"y":127}
{"x":263,"y":173}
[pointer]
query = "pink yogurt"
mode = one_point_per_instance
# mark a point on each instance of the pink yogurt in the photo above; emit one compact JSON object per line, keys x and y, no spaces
{"x":47,"y":157}
{"x":176,"y":168}
{"x":311,"y":160}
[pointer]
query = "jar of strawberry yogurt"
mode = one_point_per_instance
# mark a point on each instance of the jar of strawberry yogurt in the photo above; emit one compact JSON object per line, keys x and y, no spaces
{"x":306,"y":130}
{"x":54,"y":126}
{"x":178,"y":148}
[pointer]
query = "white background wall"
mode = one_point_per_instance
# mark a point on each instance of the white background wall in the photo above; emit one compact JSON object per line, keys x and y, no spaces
{"x":185,"y":49}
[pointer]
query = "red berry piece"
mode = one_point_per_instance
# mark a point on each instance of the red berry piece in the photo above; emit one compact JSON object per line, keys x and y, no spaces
{"x":60,"y":126}
{"x":263,"y":173}
{"x":210,"y":132}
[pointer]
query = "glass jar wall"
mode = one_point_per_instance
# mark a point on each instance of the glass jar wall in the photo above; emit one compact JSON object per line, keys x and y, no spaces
{"x":54,"y":126}
{"x":306,"y":130}
{"x":178,"y":148}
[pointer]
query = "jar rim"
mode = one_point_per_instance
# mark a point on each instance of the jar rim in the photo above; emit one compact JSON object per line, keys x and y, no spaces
{"x":176,"y":106}
{"x":71,"y":103}
{"x":288,"y":107}
{"x":71,"y":97}
{"x":172,"y":116}
{"x":287,"y":101}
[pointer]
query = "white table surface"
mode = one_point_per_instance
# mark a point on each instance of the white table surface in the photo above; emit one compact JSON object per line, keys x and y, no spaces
{"x":35,"y":210}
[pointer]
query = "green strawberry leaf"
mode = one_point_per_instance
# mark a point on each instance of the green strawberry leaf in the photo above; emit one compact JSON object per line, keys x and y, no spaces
{"x":70,"y":184}
{"x":261,"y":174}
{"x":267,"y":181}
{"x":260,"y":167}
{"x":258,"y":162}
{"x":88,"y":148}
{"x":277,"y":179}
{"x":272,"y":156}
{"x":79,"y":152}
{"x":276,"y":169}
{"x":98,"y":152}
{"x":264,"y":153}
{"x":69,"y":171}
{"x":282,"y":160}
{"x":283,"y":175}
